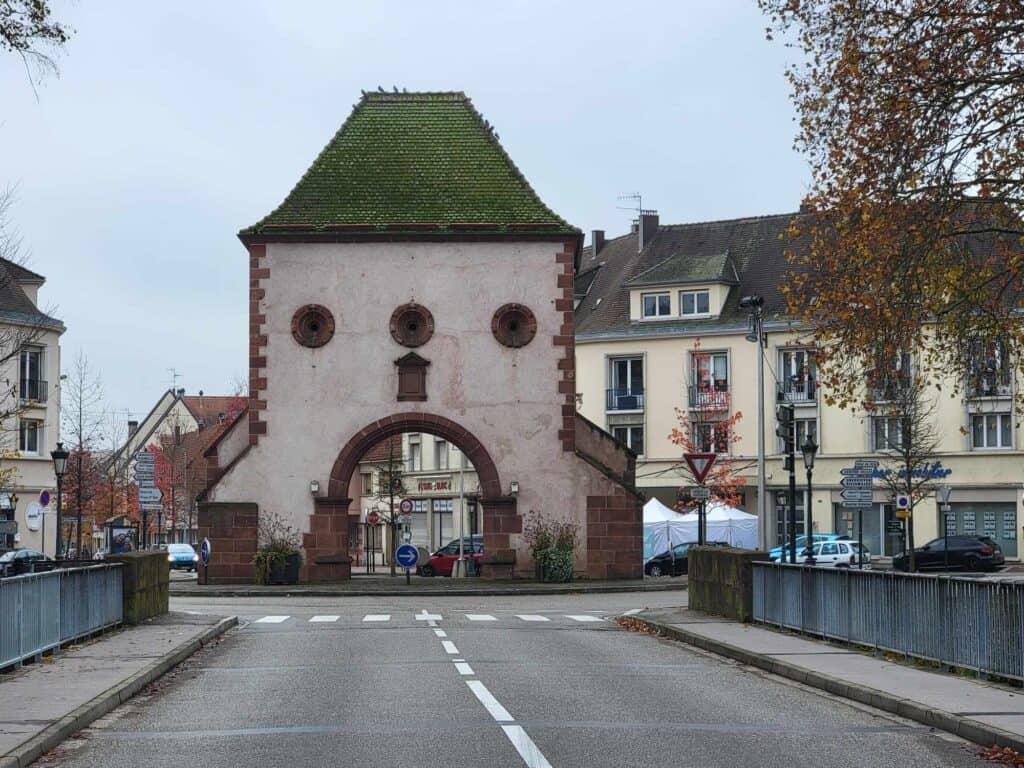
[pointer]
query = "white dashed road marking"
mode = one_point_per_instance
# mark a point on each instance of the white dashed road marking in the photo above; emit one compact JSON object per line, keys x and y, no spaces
{"x":272,"y":619}
{"x":463,"y":668}
{"x":491,"y":704}
{"x":324,"y":619}
{"x":480,"y":617}
{"x":377,"y":617}
{"x":449,"y":647}
{"x":632,"y":611}
{"x":525,"y":747}
{"x":532,"y":617}
{"x":440,"y":633}
{"x":585,"y":617}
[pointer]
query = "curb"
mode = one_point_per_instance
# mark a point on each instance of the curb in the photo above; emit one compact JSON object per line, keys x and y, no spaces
{"x":56,"y":732}
{"x":228,"y":591}
{"x":972,"y":730}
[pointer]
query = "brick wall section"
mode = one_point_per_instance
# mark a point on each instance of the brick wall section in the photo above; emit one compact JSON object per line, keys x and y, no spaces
{"x":615,"y":536}
{"x":326,"y":544}
{"x":232,"y":528}
{"x":566,"y":374}
{"x":259,"y":273}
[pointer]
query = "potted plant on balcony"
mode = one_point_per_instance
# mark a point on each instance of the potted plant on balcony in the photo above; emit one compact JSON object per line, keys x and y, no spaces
{"x":278,"y":559}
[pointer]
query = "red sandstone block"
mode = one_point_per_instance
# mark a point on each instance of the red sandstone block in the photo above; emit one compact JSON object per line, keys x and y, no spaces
{"x":564,"y":281}
{"x":566,"y":257}
{"x":259,"y":274}
{"x":319,"y":524}
{"x":510,"y":524}
{"x":562,"y":305}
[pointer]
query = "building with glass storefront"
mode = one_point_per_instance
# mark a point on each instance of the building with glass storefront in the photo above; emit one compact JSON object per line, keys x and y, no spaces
{"x":660,"y":336}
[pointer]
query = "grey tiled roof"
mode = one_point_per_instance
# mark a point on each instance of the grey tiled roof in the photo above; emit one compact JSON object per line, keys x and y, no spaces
{"x":754,"y":247}
{"x":688,"y":268}
{"x":15,"y":305}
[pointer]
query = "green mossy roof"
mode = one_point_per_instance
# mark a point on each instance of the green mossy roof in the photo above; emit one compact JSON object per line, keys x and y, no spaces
{"x":688,"y":268}
{"x":409,"y":163}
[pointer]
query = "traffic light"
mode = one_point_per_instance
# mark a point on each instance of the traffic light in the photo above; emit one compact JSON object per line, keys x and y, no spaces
{"x":785,"y":427}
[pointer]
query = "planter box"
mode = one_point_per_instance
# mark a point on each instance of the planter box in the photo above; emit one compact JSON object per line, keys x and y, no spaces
{"x":286,"y":573}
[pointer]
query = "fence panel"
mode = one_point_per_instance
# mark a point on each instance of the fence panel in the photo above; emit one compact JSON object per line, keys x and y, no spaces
{"x":962,"y":622}
{"x":41,"y":611}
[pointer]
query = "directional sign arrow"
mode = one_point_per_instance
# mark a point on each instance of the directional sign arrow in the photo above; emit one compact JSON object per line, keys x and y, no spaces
{"x":150,"y":494}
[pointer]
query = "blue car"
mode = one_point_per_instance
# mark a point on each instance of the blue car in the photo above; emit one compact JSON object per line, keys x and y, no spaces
{"x":801,"y":544}
{"x":182,"y":556}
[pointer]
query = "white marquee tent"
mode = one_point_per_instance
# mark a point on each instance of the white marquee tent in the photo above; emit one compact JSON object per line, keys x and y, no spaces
{"x":664,"y":527}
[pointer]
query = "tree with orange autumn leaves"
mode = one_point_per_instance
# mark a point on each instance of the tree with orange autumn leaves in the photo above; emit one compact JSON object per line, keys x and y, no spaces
{"x":912,"y":120}
{"x":708,"y":427}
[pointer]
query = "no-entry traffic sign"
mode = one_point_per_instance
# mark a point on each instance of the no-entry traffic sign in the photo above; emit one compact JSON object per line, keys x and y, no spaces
{"x":373,"y":518}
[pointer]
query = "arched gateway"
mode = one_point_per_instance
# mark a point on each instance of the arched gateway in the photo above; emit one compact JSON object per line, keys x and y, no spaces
{"x":412,"y":281}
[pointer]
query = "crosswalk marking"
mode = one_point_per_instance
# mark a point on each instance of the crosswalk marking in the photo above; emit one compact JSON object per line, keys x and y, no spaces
{"x":532,"y":617}
{"x":377,"y":617}
{"x":272,"y":619}
{"x":584,"y":617}
{"x":480,"y":617}
{"x":331,"y":618}
{"x":324,"y":619}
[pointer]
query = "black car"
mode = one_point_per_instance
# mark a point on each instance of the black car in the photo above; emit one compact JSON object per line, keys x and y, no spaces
{"x":19,"y":561}
{"x":969,"y":553}
{"x":675,"y":561}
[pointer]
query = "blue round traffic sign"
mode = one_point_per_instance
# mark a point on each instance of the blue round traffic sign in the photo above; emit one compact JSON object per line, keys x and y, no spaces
{"x":204,"y":551}
{"x":407,"y":556}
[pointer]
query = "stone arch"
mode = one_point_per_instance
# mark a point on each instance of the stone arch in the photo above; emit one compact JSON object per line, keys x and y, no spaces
{"x":326,"y":548}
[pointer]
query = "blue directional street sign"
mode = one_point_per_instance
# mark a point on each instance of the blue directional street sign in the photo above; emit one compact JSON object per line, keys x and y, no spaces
{"x":407,"y":556}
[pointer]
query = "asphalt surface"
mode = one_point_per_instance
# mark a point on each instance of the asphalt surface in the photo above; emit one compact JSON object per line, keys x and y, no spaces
{"x":493,"y":683}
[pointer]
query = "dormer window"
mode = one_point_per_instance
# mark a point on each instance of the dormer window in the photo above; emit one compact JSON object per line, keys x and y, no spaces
{"x":694,"y":303}
{"x":657,"y":304}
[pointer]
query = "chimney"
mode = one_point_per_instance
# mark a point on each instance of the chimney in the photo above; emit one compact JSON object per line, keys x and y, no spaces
{"x":596,"y":241}
{"x":647,"y":228}
{"x":133,"y":427}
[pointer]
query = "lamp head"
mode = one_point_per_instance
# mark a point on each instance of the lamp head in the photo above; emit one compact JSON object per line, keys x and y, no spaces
{"x":809,"y":449}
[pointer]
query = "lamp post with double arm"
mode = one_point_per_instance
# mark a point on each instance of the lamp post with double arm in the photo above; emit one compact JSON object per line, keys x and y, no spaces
{"x":809,"y":449}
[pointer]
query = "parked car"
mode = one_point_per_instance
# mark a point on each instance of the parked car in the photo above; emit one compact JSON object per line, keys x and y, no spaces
{"x":182,"y":557}
{"x":838,"y":554}
{"x":801,"y":544}
{"x":969,"y":553}
{"x":675,"y":561}
{"x":442,"y":561}
{"x":18,"y":561}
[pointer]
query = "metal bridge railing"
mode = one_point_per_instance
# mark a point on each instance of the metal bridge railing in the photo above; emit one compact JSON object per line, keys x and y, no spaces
{"x":961,"y":622}
{"x":42,"y":611}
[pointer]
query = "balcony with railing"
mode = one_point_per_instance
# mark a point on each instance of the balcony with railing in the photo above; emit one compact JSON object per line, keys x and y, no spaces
{"x":990,"y":384}
{"x":799,"y":390}
{"x":710,"y":397}
{"x":624,"y":399}
{"x":32,"y":390}
{"x":888,"y":389}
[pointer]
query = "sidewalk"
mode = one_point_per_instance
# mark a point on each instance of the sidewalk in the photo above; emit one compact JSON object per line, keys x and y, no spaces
{"x":987,"y":714}
{"x":42,"y":704}
{"x":388,"y":586}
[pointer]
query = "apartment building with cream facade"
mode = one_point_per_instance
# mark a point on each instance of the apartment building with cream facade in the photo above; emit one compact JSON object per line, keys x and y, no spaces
{"x":644,"y":301}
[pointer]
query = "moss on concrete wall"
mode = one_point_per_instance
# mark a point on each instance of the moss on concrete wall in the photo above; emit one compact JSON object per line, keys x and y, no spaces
{"x":146,"y":584}
{"x":721,"y":581}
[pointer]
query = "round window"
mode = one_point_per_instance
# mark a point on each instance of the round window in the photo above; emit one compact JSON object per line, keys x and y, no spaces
{"x":514,"y":325}
{"x":313,"y":325}
{"x":412,"y":325}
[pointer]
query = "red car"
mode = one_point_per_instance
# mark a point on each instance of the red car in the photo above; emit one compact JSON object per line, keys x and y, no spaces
{"x":442,"y":561}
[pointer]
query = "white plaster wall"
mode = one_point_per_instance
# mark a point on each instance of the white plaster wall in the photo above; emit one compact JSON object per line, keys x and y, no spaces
{"x":318,"y":398}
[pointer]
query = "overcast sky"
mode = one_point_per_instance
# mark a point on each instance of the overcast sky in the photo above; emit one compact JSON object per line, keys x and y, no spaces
{"x":175,"y":124}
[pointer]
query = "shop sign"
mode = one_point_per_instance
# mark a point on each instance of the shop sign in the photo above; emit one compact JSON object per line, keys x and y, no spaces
{"x":927,"y":471}
{"x":434,"y":485}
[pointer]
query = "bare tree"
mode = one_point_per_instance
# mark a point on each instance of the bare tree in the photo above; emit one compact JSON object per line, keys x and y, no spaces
{"x":904,"y":427}
{"x":82,"y":417}
{"x":390,"y":486}
{"x":28,"y":29}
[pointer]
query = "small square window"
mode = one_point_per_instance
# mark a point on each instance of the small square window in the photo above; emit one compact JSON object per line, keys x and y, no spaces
{"x":656,"y":305}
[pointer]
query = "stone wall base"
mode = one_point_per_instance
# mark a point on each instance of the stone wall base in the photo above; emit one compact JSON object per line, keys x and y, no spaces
{"x":232,"y":528}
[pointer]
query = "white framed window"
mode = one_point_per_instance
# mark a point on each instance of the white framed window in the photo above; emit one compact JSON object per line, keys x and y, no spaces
{"x":710,"y":371}
{"x":627,"y":384}
{"x":886,"y":433}
{"x":711,"y":436}
{"x":30,"y":437}
{"x":415,"y":460}
{"x":30,"y":379}
{"x":366,"y":481}
{"x":440,"y":454}
{"x":804,"y":428}
{"x":656,"y":304}
{"x":632,"y":435}
{"x":991,"y":375}
{"x":694,"y":303}
{"x":992,"y":430}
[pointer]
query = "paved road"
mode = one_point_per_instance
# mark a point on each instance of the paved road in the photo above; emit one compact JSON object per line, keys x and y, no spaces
{"x":473,"y":681}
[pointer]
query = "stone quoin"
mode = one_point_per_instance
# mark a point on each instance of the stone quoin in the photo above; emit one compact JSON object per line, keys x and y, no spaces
{"x":413,"y":228}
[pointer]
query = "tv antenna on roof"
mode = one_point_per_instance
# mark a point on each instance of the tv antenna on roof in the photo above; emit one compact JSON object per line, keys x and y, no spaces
{"x":636,"y":197}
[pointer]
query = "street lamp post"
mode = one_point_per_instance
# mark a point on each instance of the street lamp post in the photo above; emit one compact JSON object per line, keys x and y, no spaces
{"x":755,"y":304}
{"x":810,"y":449}
{"x":944,"y":492}
{"x":60,"y":463}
